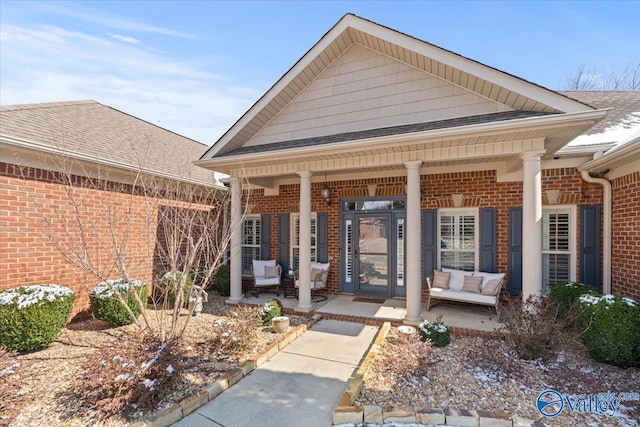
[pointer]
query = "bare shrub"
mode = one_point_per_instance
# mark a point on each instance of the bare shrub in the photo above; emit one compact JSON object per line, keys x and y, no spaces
{"x":237,"y":334}
{"x":410,"y":353}
{"x":127,"y":376}
{"x":534,"y":329}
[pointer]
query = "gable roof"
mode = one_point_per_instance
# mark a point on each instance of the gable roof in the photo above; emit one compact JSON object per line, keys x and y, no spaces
{"x":488,"y":82}
{"x":94,"y":132}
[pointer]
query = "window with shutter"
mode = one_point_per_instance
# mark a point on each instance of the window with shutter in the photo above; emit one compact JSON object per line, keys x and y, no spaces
{"x":294,"y":258}
{"x":250,"y":241}
{"x":457,"y":232}
{"x":558,"y":246}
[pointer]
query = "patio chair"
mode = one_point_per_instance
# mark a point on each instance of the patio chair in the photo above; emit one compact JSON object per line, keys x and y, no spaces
{"x":266,"y":274}
{"x":319,"y":275}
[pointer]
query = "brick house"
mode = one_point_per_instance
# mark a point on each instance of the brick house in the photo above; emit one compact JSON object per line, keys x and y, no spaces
{"x":92,"y":140}
{"x":390,"y":157}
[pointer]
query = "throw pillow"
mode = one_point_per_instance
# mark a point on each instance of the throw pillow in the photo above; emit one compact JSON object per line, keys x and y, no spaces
{"x":492,"y":287}
{"x":441,"y":280}
{"x":270,"y":271}
{"x":472,"y":284}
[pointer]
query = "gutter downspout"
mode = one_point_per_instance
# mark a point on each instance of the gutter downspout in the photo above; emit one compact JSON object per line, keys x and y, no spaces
{"x":606,"y":238}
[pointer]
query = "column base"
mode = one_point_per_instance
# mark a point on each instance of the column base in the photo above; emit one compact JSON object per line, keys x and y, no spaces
{"x":233,"y":301}
{"x":413,"y":321}
{"x":303,"y":309}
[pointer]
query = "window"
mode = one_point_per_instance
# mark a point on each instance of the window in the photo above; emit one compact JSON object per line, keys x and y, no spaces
{"x":250,"y":242}
{"x":295,"y":240}
{"x":458,"y":234}
{"x":558,"y":246}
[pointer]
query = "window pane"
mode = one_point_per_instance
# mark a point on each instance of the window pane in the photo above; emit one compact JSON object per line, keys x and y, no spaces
{"x":556,"y":268}
{"x":458,"y":260}
{"x":248,"y":255}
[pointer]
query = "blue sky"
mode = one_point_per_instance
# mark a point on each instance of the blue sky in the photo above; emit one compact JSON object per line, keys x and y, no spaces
{"x":196,"y":67}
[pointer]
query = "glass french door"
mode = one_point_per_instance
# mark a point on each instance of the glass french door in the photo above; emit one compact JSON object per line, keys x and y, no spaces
{"x":371,"y":254}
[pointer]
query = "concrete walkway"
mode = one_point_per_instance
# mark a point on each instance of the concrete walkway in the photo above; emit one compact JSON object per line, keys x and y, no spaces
{"x":298,"y":387}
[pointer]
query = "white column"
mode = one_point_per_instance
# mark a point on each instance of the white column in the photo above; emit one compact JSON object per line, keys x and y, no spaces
{"x":531,"y":225}
{"x":304,"y":272}
{"x":413,"y":233}
{"x":236,"y":241}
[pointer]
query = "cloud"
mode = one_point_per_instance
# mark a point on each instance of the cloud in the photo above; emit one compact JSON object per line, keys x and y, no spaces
{"x":106,"y":20}
{"x":124,"y":39}
{"x":185,"y":95}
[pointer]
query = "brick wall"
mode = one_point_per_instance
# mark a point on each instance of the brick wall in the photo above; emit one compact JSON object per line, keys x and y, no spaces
{"x":480,"y":189}
{"x":29,"y":196}
{"x":625,"y":238}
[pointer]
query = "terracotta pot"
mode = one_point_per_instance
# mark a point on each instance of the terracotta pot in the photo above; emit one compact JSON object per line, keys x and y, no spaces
{"x":280,"y":324}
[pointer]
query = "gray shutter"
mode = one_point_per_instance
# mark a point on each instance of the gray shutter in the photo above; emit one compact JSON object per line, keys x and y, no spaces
{"x":515,"y":251}
{"x":265,"y":238}
{"x":590,"y":245}
{"x":429,"y":243}
{"x":488,"y":238}
{"x":322,"y":242}
{"x":283,"y":241}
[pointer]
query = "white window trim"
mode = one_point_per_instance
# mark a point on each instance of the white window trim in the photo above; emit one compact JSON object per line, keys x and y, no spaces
{"x":476,"y":215}
{"x":573,"y":235}
{"x":252,"y":217}
{"x":292,"y":226}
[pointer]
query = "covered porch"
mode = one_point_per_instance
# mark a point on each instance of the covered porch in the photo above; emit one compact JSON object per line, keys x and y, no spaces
{"x":461,"y":319}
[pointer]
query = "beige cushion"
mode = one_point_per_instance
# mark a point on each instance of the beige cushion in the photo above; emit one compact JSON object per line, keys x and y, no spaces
{"x":441,"y":280}
{"x":271,"y":271}
{"x":492,"y":287}
{"x":472,"y":284}
{"x":457,"y":278}
{"x":487,"y":276}
{"x":316,"y":273}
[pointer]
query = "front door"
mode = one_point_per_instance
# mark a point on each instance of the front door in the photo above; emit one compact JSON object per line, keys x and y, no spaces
{"x":372,"y":254}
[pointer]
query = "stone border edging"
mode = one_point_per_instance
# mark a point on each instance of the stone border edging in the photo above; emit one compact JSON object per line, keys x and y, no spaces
{"x":190,"y":404}
{"x":346,"y":413}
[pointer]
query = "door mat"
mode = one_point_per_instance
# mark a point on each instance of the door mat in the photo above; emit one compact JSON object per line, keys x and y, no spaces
{"x":369,"y":299}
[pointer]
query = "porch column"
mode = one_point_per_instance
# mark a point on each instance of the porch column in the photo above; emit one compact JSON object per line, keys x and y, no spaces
{"x":236,"y":241}
{"x":304,"y":264}
{"x":414,"y":294}
{"x":531,"y":225}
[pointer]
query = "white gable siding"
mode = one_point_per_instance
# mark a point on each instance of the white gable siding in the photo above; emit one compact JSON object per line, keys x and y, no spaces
{"x":364,"y":89}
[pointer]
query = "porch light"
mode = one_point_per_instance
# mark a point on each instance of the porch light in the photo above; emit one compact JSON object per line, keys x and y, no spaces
{"x":326,"y":193}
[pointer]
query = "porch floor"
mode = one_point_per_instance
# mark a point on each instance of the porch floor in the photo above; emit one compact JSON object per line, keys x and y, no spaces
{"x":479,"y":319}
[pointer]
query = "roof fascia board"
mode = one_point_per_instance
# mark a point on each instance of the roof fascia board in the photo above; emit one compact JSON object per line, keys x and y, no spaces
{"x":629,"y":151}
{"x":31,"y":145}
{"x":384,"y":141}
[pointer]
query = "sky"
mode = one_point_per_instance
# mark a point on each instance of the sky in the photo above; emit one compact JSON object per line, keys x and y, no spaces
{"x":194,"y":67}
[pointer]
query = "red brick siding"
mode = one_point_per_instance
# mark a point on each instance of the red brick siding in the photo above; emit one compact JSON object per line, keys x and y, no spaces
{"x":28,"y":257}
{"x":625,"y":236}
{"x":480,"y":189}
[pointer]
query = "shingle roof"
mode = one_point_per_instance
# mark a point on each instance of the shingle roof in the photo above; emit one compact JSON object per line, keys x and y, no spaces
{"x":92,"y":129}
{"x":624,"y":103}
{"x":385,"y":131}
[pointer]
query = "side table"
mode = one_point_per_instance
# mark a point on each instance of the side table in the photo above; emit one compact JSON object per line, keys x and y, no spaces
{"x":289,"y":287}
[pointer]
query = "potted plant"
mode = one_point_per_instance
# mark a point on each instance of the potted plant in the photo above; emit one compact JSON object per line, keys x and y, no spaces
{"x":280,"y":324}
